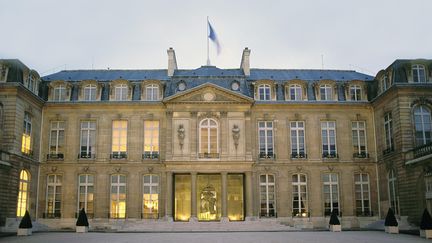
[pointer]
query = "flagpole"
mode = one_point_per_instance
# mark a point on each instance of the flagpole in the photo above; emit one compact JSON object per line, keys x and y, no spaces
{"x":208,"y":56}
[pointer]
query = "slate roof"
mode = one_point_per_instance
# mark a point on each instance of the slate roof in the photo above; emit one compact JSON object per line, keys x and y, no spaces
{"x":107,"y":75}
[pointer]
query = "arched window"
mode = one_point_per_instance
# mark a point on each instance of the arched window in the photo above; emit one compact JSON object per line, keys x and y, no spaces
{"x":23,"y":193}
{"x":418,"y":72}
{"x":90,"y":92}
{"x":152,"y":92}
{"x":422,"y":123}
{"x":393,"y":193}
{"x":209,"y":147}
{"x":355,"y":92}
{"x":264,"y":92}
{"x":59,"y":93}
{"x":295,"y":92}
{"x":121,"y":92}
{"x":326,"y":92}
{"x":300,"y":197}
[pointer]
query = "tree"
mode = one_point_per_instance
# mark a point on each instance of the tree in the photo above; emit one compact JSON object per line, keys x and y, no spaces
{"x":390,"y":219}
{"x":26,"y":221}
{"x":426,"y":221}
{"x":82,"y":219}
{"x":334,"y":218}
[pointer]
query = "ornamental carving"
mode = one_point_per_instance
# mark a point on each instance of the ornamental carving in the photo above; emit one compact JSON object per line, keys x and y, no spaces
{"x":236,"y":135}
{"x":181,"y":134}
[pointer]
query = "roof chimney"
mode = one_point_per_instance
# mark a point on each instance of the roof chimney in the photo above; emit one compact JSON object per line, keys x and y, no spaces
{"x":172,"y":62}
{"x":244,"y":65}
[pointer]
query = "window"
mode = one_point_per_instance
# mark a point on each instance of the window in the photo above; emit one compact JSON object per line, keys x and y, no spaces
{"x":428,"y":186}
{"x":326,"y":92}
{"x":151,"y":140}
{"x":56,"y":140}
{"x":267,"y":196}
{"x":60,"y":92}
{"x":328,"y":137}
{"x":90,"y":92}
{"x":88,"y":140}
{"x":359,"y":139}
{"x":295,"y":92}
{"x":265,"y":133}
{"x":423,"y":126}
{"x":23,"y":193}
{"x":209,"y":147}
{"x":300,"y":198}
{"x":264,"y":92}
{"x":331,"y":193}
{"x":3,"y":73}
{"x":53,"y":196}
{"x":384,"y":83}
{"x":1,"y":116}
{"x":86,"y":193}
{"x":119,"y":140}
{"x":355,"y":92}
{"x":419,"y":74}
{"x":297,"y":139}
{"x":150,"y":196}
{"x":26,"y":136}
{"x":388,"y":129}
{"x":118,"y":197}
{"x":121,"y":92}
{"x":393,"y":192}
{"x":152,"y":92}
{"x":362,"y":194}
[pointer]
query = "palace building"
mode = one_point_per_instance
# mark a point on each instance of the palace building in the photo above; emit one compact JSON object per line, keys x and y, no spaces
{"x":219,"y":145}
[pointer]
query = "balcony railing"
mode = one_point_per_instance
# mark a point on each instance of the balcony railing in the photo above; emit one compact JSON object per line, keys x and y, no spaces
{"x":118,"y":155}
{"x":361,"y":155}
{"x":331,"y":155}
{"x":388,"y":150}
{"x":55,"y":156}
{"x":301,"y":155}
{"x":268,"y":155}
{"x":150,"y":155}
{"x":423,"y":150}
{"x":208,"y":155}
{"x":84,"y":155}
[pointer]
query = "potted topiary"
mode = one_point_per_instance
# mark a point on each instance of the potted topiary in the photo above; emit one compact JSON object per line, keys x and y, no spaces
{"x":82,"y":222}
{"x":25,"y":226}
{"x":334,"y":223}
{"x":391,"y":224}
{"x":426,"y":225}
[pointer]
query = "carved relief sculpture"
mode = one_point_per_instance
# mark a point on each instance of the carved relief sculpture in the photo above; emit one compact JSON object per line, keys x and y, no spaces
{"x":236,"y":135}
{"x":181,"y":135}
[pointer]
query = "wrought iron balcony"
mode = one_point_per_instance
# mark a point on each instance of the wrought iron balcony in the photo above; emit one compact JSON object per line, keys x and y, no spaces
{"x":208,"y":155}
{"x":423,"y":150}
{"x":268,"y":155}
{"x":118,"y":155}
{"x":150,"y":155}
{"x":55,"y":156}
{"x":85,"y":155}
{"x":388,"y":150}
{"x":361,"y":155}
{"x":301,"y":155}
{"x":331,"y":155}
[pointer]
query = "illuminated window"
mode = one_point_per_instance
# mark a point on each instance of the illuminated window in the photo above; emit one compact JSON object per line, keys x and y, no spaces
{"x":388,"y":129}
{"x":300,"y":198}
{"x":59,"y":93}
{"x":419,"y":73}
{"x":23,"y":193}
{"x":264,"y":92}
{"x":362,"y":194}
{"x":267,"y":196}
{"x":393,"y":192}
{"x":119,"y":139}
{"x":326,"y":92}
{"x":90,"y":92}
{"x":26,"y":136}
{"x":328,"y":138}
{"x":121,"y":92}
{"x":86,"y":193}
{"x":235,"y":197}
{"x":88,"y":139}
{"x":265,"y":139}
{"x":53,"y":196}
{"x":331,"y":193}
{"x":209,"y":147}
{"x":355,"y":92}
{"x":151,"y":140}
{"x":423,"y":126}
{"x":152,"y":92}
{"x":359,"y":139}
{"x":150,"y":196}
{"x":56,"y":140}
{"x":118,"y":197}
{"x":297,"y":139}
{"x":295,"y":92}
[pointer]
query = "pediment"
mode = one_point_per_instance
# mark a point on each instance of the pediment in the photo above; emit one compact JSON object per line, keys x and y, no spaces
{"x":209,"y":93}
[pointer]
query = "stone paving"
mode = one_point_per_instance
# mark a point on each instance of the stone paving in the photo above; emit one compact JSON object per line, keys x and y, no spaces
{"x":219,"y":237}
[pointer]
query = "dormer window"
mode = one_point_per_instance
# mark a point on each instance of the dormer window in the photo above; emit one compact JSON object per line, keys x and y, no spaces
{"x":181,"y":86}
{"x":385,"y":83}
{"x":90,"y":92}
{"x":418,"y":73}
{"x":3,"y":73}
{"x":355,"y":92}
{"x":295,"y":92}
{"x":59,"y":93}
{"x":264,"y":92}
{"x":152,"y":92}
{"x":121,"y":92}
{"x":326,"y":92}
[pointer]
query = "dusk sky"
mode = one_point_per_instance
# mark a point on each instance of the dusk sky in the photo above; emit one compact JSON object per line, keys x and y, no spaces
{"x":366,"y":36}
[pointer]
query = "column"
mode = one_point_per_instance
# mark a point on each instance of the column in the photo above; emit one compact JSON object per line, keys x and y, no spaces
{"x":224,"y":197}
{"x":193,"y":197}
{"x":169,"y":195}
{"x":193,"y":135}
{"x":249,"y":197}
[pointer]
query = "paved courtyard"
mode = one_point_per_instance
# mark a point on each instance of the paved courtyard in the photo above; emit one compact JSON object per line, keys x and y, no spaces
{"x":222,"y":237}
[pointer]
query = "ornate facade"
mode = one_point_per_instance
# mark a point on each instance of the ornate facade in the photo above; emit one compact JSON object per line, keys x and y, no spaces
{"x":214,"y":144}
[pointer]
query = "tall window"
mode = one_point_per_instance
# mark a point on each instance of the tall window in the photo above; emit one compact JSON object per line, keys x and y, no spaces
{"x":300,"y":198}
{"x":53,"y":196}
{"x":86,"y":193}
{"x":208,"y":139}
{"x":60,"y":92}
{"x":23,"y":193}
{"x":118,"y":197}
{"x":121,"y":92}
{"x":384,"y":83}
{"x":26,"y":136}
{"x":355,"y":92}
{"x":265,"y":133}
{"x":388,"y":129}
{"x":90,"y":92}
{"x":393,"y":192}
{"x":359,"y":139}
{"x":328,"y":137}
{"x":423,"y":126}
{"x":56,"y":140}
{"x":88,"y":139}
{"x":418,"y":72}
{"x":362,"y":194}
{"x":331,"y":193}
{"x":152,"y":92}
{"x":150,"y":196}
{"x":267,"y":196}
{"x":119,"y":139}
{"x":295,"y":92}
{"x":326,"y":92}
{"x":297,"y":139}
{"x":151,"y":140}
{"x":264,"y":92}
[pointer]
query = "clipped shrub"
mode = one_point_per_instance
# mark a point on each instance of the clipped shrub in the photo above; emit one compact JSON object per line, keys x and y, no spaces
{"x":334,"y":218}
{"x":82,"y":219}
{"x":426,"y":221}
{"x":390,"y":219}
{"x":26,"y":221}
